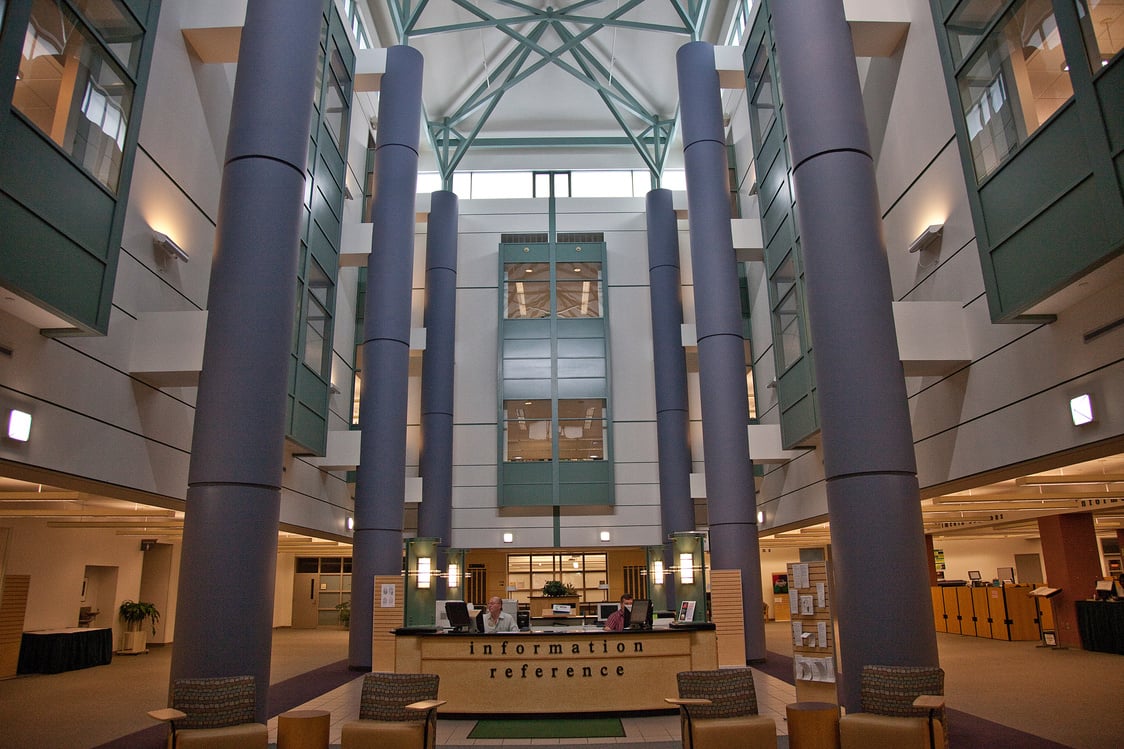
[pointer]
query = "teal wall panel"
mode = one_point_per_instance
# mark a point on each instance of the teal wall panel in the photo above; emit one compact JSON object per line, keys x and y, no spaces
{"x":32,"y":248}
{"x":1055,"y":161}
{"x":1028,"y":265}
{"x":1108,"y":86}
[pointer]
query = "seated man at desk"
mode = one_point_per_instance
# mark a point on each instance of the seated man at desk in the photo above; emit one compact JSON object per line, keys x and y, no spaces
{"x":495,"y":619}
{"x":618,"y":621}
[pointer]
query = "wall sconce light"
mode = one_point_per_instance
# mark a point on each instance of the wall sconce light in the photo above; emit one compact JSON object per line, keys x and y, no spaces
{"x":1081,"y":409}
{"x":657,"y":572}
{"x":19,"y":425}
{"x":924,"y":240}
{"x":760,"y":516}
{"x":508,"y":537}
{"x":425,"y":573}
{"x":686,"y":569}
{"x":605,"y":535}
{"x":350,"y":523}
{"x":165,"y":243}
{"x":454,"y":575}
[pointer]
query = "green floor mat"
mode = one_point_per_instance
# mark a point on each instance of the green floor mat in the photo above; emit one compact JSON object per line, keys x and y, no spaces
{"x":547,"y":728}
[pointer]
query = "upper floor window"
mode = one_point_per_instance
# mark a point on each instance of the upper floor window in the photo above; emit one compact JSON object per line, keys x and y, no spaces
{"x":1102,"y":25}
{"x":576,"y":290}
{"x":1015,"y":79}
{"x":72,"y":82}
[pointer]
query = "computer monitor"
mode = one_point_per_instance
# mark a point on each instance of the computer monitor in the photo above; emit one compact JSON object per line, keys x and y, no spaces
{"x":1005,"y":574}
{"x":1104,"y":590}
{"x":605,"y":609}
{"x":641,"y":614}
{"x":459,"y":618}
{"x":974,"y":576}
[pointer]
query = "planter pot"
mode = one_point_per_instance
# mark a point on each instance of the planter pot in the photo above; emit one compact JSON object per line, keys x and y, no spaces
{"x":134,"y":643}
{"x":541,"y":605}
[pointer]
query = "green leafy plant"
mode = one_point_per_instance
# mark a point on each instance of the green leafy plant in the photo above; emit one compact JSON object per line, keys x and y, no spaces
{"x":343,"y":613}
{"x":133,"y":613}
{"x":555,"y":588}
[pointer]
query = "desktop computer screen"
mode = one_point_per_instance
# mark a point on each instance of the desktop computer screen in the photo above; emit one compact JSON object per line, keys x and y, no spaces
{"x":641,"y":614}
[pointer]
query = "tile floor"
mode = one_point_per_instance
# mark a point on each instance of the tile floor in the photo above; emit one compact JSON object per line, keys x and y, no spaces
{"x":343,"y":703}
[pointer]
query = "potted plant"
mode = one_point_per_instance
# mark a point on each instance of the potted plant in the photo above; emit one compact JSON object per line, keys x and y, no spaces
{"x":134,"y":613}
{"x":554,"y":592}
{"x":343,"y":613}
{"x":557,"y":588}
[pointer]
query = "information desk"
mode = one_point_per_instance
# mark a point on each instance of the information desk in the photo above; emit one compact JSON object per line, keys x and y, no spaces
{"x":1101,"y":624}
{"x":51,"y":651}
{"x":577,"y":670}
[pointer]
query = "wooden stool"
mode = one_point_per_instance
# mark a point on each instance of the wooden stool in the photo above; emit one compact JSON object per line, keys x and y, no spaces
{"x":813,"y":725}
{"x":303,"y":729}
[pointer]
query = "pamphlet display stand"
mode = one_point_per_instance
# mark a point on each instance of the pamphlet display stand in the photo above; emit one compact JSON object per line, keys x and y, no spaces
{"x":1049,"y":636}
{"x":813,"y":636}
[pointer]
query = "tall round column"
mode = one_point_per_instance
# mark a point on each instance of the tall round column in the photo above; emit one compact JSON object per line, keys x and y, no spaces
{"x":872,"y":492}
{"x":435,"y":515}
{"x":380,"y":490}
{"x":731,"y":499}
{"x":224,"y":615}
{"x":677,"y":510}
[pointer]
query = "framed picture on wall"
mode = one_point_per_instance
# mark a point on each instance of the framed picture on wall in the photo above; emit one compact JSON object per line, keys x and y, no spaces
{"x":780,"y":583}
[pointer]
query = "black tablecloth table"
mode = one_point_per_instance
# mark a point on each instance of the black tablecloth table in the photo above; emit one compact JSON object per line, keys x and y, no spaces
{"x":1101,"y":624}
{"x":51,"y":651}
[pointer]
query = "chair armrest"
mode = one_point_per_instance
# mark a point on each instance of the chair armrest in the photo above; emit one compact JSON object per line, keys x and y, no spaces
{"x":929,"y":701}
{"x":167,"y":713}
{"x":424,"y":705}
{"x":688,"y":701}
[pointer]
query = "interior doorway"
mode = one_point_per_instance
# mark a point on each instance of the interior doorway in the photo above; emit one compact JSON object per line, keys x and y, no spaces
{"x":99,"y":594}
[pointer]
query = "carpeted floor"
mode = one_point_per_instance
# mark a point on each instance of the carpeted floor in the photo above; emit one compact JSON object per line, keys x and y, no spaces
{"x":544,"y":728}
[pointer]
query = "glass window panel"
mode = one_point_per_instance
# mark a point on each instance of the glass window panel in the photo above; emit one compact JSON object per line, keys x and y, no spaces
{"x":591,"y":184}
{"x":331,"y":564}
{"x":788,"y":323}
{"x":518,"y":563}
{"x":336,"y":101}
{"x":528,"y":290}
{"x":1102,"y":24}
{"x":581,"y":429}
{"x":968,"y":24}
{"x":69,"y":89}
{"x":578,"y":289}
{"x":501,"y":185}
{"x":317,"y":320}
{"x":429,"y":182}
{"x":116,"y":25}
{"x":1014,"y":82}
{"x":674,"y":179}
{"x":527,"y":431}
{"x":763,"y":109}
{"x":562,"y":185}
{"x":542,"y":185}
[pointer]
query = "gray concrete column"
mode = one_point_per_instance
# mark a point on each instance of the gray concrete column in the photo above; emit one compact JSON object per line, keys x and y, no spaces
{"x":435,"y":515}
{"x":380,"y":489}
{"x":872,"y":492}
{"x":731,"y":499}
{"x":669,"y":363}
{"x":224,"y":615}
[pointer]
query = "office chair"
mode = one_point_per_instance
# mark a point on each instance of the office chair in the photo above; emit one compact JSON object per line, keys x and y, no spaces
{"x":396,"y":711}
{"x":718,"y":709}
{"x":213,"y":713}
{"x":902,"y":706}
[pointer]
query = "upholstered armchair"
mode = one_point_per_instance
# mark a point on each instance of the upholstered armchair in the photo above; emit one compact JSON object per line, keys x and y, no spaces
{"x":718,"y":709}
{"x":902,"y":706}
{"x":213,"y":713}
{"x":396,"y":711}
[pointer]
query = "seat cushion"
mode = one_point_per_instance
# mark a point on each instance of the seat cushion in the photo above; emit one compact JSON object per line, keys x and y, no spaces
{"x":870,"y":731}
{"x":382,"y":734}
{"x":755,"y":731}
{"x":244,"y":736}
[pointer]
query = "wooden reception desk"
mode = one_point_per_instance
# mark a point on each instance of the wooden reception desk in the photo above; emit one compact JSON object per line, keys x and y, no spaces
{"x":579,"y":671}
